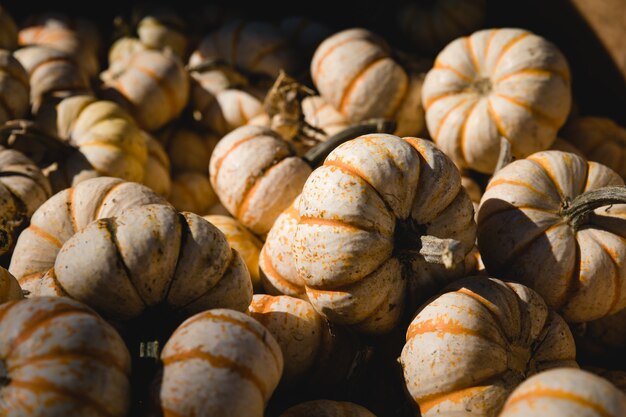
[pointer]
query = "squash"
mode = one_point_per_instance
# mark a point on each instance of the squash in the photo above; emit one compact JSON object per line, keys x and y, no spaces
{"x":53,"y":75}
{"x":565,"y":146}
{"x":320,"y":114}
{"x":276,"y":260}
{"x":124,"y":48}
{"x":8,"y":33}
{"x":473,"y":190}
{"x":249,"y":46}
{"x":78,"y":38}
{"x":615,"y":377}
{"x":9,"y":287}
{"x":600,"y":139}
{"x":244,"y":242}
{"x":219,"y":363}
{"x":157,"y":167}
{"x":431,"y":25}
{"x":64,"y":214}
{"x":272,"y":176}
{"x":327,"y":408}
{"x":189,"y":149}
{"x":355,"y":72}
{"x":23,"y":188}
{"x":14,"y":88}
{"x":469,"y":347}
{"x":59,"y":358}
{"x":497,"y":87}
{"x":565,"y":392}
{"x":382,"y":220}
{"x":152,"y":85}
{"x":192,"y":191}
{"x":226,"y":110}
{"x":545,"y":221}
{"x":161,"y":28}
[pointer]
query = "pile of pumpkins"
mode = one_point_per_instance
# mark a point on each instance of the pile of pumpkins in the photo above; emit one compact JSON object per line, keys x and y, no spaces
{"x":248,"y":218}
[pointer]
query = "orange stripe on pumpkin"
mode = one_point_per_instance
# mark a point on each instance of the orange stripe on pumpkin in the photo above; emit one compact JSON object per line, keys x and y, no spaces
{"x":329,"y":51}
{"x":45,"y":235}
{"x":270,"y":270}
{"x":535,"y":72}
{"x":441,"y":66}
{"x":551,"y":393}
{"x":541,"y":116}
{"x":442,"y":122}
{"x":507,"y":47}
{"x":455,"y":397}
{"x":442,"y":327}
{"x":345,"y":99}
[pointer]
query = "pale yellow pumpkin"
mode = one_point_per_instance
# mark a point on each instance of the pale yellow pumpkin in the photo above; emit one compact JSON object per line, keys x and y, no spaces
{"x":14,"y":88}
{"x":565,"y":392}
{"x":189,"y":149}
{"x":124,"y":48}
{"x":495,"y":85}
{"x":469,"y":347}
{"x":192,"y":191}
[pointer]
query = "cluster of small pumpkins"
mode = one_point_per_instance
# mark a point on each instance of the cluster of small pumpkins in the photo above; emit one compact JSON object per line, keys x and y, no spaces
{"x":240,"y":221}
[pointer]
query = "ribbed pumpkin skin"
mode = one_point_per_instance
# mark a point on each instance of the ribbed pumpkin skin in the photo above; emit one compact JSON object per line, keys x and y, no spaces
{"x":255,"y":47}
{"x":361,"y":216}
{"x":154,"y":86}
{"x":61,"y":359}
{"x":244,"y":242}
{"x":317,"y":112}
{"x":468,"y":348}
{"x":124,"y":48}
{"x":52,"y":73}
{"x":496,"y":83}
{"x":188,"y":149}
{"x":327,"y":408}
{"x":152,"y":256}
{"x":523,"y":237}
{"x":276,"y":260}
{"x":226,"y":110}
{"x":354,"y":72}
{"x":160,"y":28}
{"x":8,"y":30}
{"x":256,"y":175}
{"x":23,"y":188}
{"x":156,"y":170}
{"x":64,"y":214}
{"x":192,"y":191}
{"x":219,"y":363}
{"x":431,"y":27}
{"x":9,"y":288}
{"x":14,"y":88}
{"x":601,"y":140}
{"x":565,"y":392}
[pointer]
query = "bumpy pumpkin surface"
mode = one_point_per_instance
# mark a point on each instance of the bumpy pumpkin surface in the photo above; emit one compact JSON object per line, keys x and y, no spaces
{"x":189,"y":149}
{"x":219,"y":363}
{"x":468,"y":348}
{"x":494,"y":84}
{"x":530,"y":231}
{"x":192,"y":191}
{"x":159,"y":27}
{"x":59,"y":358}
{"x":327,"y":408}
{"x":64,"y":214}
{"x":256,"y":175}
{"x":565,"y":392}
{"x":14,"y":88}
{"x":9,"y":288}
{"x":363,"y":215}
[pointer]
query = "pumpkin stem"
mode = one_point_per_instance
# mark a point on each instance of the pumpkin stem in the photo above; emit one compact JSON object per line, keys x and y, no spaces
{"x":150,"y":350}
{"x":505,"y":157}
{"x":578,"y":211}
{"x":447,"y":252}
{"x":315,"y":157}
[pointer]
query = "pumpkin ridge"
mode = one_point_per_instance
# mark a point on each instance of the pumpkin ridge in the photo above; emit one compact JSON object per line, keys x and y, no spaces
{"x":497,"y":120}
{"x":334,"y":223}
{"x":507,"y":47}
{"x":432,"y":100}
{"x":39,"y":384}
{"x":185,"y":231}
{"x":504,"y":181}
{"x":35,"y":276}
{"x":250,"y":190}
{"x":328,"y":52}
{"x":442,"y":121}
{"x":558,"y":394}
{"x":540,"y":116}
{"x":472,"y":54}
{"x":616,"y":279}
{"x":22,"y":175}
{"x":428,"y":402}
{"x":463,"y":129}
{"x":99,"y":356}
{"x":220,"y":161}
{"x":347,"y":92}
{"x":551,"y":177}
{"x":448,"y":327}
{"x":488,"y":306}
{"x":271,"y":269}
{"x":547,"y":72}
{"x":488,"y":45}
{"x":104,"y":198}
{"x":402,"y":97}
{"x":441,"y":66}
{"x":52,"y":59}
{"x":161,"y":82}
{"x":5,"y":308}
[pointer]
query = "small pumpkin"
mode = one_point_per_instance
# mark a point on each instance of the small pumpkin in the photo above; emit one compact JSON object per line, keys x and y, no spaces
{"x":152,"y":85}
{"x":469,"y":347}
{"x":161,"y":28}
{"x":14,"y":88}
{"x":327,"y":408}
{"x":124,"y":48}
{"x":189,"y":149}
{"x":53,"y":75}
{"x":8,"y":31}
{"x":64,"y":214}
{"x":157,"y":167}
{"x":544,"y":221}
{"x":320,"y":114}
{"x":431,"y":25}
{"x":9,"y":287}
{"x":272,"y":176}
{"x":496,"y":85}
{"x":192,"y":191}
{"x":244,"y":242}
{"x":375,"y":225}
{"x":219,"y":363}
{"x":226,"y":110}
{"x":59,"y":358}
{"x":600,"y":139}
{"x":561,"y":392}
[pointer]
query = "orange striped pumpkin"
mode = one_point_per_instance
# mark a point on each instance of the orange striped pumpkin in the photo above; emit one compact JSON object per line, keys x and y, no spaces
{"x":319,"y":113}
{"x":160,"y":27}
{"x":14,"y":88}
{"x":219,"y":363}
{"x":156,"y":170}
{"x":355,"y":72}
{"x":256,"y":175}
{"x":152,"y":85}
{"x":226,"y":110}
{"x":192,"y":191}
{"x":600,"y":139}
{"x":496,"y":83}
{"x":468,"y":348}
{"x":8,"y":30}
{"x":59,"y":358}
{"x":327,"y":408}
{"x":9,"y":287}
{"x":565,"y":392}
{"x":431,"y":25}
{"x":124,"y":48}
{"x":189,"y":149}
{"x":528,"y":232}
{"x":363,"y":214}
{"x":62,"y":216}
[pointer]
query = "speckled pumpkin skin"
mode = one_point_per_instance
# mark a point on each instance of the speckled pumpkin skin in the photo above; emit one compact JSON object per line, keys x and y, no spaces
{"x":59,"y":358}
{"x":219,"y":363}
{"x":468,"y":348}
{"x":327,"y":408}
{"x":565,"y":392}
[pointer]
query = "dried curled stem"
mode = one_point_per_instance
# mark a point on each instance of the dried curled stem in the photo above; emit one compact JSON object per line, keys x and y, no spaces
{"x":446,"y":252}
{"x":578,"y":211}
